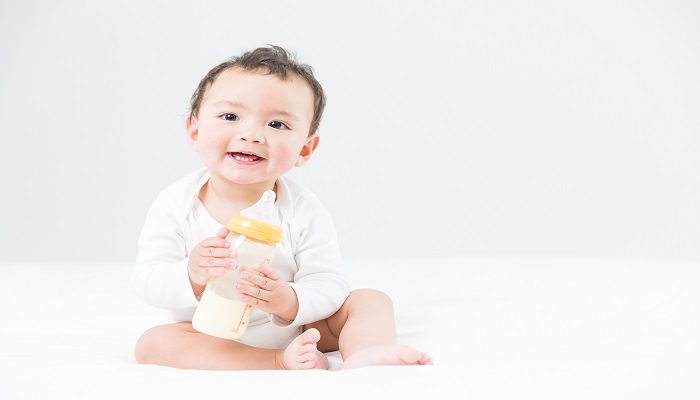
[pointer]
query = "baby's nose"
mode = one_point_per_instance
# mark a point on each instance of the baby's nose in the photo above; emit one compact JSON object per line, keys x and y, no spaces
{"x":250,"y":135}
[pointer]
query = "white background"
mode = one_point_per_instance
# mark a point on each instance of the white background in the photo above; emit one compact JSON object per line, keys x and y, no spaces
{"x":509,"y":128}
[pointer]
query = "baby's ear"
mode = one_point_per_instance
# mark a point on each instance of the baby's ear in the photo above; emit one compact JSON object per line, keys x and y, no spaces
{"x":192,"y":132}
{"x":307,"y":150}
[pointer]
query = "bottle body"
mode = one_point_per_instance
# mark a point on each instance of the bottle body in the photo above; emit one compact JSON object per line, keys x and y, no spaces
{"x":220,"y":312}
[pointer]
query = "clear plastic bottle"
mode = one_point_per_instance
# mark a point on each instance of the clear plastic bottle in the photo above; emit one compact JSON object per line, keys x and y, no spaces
{"x":254,"y":234}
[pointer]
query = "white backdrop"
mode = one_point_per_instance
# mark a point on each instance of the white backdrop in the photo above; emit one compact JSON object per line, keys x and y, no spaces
{"x":453,"y":127}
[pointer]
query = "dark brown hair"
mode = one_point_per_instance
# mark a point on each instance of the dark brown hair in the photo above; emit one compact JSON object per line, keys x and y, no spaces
{"x":272,"y":60}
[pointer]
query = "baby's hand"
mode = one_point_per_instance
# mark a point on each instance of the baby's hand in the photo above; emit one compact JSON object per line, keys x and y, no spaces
{"x":264,"y":289}
{"x":210,"y":258}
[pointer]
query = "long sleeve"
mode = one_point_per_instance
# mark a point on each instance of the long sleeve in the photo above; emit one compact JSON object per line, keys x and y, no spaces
{"x":160,"y":276}
{"x":319,"y":282}
{"x":320,"y":285}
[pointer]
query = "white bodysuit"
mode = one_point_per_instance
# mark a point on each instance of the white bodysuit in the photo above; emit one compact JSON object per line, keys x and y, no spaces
{"x":308,"y":257}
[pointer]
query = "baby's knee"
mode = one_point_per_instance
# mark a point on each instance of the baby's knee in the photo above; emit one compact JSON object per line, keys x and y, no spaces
{"x":370,"y":296}
{"x":147,"y":347}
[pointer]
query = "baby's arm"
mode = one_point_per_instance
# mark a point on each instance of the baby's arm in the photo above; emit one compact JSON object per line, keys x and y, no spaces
{"x":160,"y":276}
{"x":319,"y":282}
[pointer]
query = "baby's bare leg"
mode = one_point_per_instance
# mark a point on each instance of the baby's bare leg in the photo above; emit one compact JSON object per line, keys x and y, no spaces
{"x":181,"y":346}
{"x":364,"y":330}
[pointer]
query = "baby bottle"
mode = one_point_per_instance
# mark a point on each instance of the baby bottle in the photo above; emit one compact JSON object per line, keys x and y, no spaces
{"x":254,"y":233}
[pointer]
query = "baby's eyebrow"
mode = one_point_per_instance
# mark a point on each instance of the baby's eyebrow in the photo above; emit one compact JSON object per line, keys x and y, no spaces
{"x":285,"y":114}
{"x":230,"y":103}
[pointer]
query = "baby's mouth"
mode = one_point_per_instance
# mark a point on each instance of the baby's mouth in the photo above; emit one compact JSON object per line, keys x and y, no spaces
{"x":244,"y":157}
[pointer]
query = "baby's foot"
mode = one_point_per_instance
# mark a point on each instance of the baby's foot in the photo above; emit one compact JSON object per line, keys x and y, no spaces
{"x":395,"y":354}
{"x":303,"y":354}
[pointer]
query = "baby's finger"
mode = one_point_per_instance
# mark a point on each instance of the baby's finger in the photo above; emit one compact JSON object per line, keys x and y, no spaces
{"x":217,"y":252}
{"x":256,"y":279}
{"x":211,"y":271}
{"x":216,"y":262}
{"x":215,"y":242}
{"x":223,"y":232}
{"x":248,"y":292}
{"x":267,"y":270}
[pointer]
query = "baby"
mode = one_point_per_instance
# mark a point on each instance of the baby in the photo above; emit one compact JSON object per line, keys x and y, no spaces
{"x":252,"y":119}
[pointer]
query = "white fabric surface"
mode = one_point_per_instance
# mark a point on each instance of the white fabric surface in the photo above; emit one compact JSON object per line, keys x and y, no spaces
{"x":497,"y":329}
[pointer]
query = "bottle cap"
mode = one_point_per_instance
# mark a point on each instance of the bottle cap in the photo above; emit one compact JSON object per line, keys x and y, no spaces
{"x":259,"y":221}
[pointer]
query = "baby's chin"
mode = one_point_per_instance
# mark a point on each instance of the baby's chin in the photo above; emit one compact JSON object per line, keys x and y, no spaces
{"x":260,"y":173}
{"x":246,"y":179}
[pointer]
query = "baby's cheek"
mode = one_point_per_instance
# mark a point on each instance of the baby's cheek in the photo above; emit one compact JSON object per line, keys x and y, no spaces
{"x":285,"y":155}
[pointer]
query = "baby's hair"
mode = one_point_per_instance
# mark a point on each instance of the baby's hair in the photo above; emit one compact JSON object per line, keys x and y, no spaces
{"x":273,"y":60}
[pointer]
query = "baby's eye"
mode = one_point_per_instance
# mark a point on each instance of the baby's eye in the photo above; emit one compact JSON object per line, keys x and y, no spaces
{"x":278,"y":125}
{"x":229,"y":117}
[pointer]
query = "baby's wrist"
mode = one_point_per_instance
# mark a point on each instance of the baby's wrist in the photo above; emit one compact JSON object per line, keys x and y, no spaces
{"x":290,"y":313}
{"x":197,"y":289}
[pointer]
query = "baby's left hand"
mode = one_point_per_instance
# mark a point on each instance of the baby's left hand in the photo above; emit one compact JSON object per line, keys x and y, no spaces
{"x":264,"y":289}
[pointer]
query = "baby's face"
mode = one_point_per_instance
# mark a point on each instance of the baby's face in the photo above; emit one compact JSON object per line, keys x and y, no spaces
{"x":252,"y":128}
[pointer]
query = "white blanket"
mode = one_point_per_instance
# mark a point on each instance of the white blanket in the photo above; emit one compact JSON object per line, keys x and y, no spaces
{"x":497,"y":329}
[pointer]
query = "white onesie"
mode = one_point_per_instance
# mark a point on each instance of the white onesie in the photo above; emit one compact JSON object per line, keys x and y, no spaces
{"x":308,"y":257}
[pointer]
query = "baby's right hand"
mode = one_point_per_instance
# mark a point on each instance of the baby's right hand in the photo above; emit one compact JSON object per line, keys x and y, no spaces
{"x":211,"y":258}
